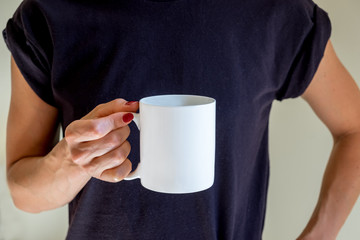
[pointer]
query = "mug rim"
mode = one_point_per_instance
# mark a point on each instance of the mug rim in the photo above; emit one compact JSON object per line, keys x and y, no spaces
{"x":205,"y":100}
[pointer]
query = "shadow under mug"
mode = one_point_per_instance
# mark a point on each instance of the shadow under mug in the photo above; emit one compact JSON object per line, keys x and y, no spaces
{"x":177,"y":143}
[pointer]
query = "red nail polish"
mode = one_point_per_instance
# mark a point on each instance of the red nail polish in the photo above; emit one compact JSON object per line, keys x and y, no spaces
{"x":131,"y":103}
{"x":128,"y":117}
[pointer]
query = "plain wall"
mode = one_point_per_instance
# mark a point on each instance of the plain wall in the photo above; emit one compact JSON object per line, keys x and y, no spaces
{"x":299,"y":148}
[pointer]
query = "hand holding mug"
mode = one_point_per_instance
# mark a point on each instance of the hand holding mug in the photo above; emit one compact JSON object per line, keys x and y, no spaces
{"x":177,"y":142}
{"x":98,"y":142}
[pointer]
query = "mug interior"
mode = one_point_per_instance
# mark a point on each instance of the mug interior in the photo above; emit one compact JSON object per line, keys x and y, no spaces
{"x":177,"y":100}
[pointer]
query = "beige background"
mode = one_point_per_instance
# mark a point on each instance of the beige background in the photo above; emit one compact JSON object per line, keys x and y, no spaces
{"x":299,"y":148}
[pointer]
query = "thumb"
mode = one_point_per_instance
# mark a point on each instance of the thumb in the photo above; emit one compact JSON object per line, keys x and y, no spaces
{"x":114,"y":106}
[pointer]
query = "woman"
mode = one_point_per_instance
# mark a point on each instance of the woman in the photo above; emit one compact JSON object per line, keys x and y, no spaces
{"x":73,"y":58}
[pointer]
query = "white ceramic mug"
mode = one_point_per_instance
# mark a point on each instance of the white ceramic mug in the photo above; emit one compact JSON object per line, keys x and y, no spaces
{"x":177,"y":143}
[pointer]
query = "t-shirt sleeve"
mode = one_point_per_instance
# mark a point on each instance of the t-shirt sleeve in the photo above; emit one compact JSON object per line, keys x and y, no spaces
{"x":308,"y":56}
{"x":27,"y":37}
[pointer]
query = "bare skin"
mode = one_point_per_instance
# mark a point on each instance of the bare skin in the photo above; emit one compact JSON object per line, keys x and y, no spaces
{"x":49,"y":177}
{"x":335,"y":98}
{"x":41,"y":178}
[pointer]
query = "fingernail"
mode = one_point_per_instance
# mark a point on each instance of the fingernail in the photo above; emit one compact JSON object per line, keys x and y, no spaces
{"x":128,"y":117}
{"x":131,"y":103}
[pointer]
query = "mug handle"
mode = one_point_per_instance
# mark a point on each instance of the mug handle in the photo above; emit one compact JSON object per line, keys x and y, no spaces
{"x":136,"y":173}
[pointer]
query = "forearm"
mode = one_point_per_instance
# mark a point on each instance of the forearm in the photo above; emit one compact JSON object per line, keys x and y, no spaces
{"x":43,"y":183}
{"x":340,"y":189}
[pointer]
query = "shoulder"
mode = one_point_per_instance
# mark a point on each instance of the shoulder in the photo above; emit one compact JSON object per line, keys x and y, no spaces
{"x":292,"y":5}
{"x":297,"y":17}
{"x":41,"y":3}
{"x":30,"y":25}
{"x":287,"y":10}
{"x":35,"y":17}
{"x":31,"y":10}
{"x":290,"y":9}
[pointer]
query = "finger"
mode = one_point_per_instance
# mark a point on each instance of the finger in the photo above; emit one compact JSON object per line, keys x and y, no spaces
{"x":118,"y":173}
{"x":93,"y":129}
{"x":110,"y":160}
{"x":117,"y":105}
{"x":84,"y":152}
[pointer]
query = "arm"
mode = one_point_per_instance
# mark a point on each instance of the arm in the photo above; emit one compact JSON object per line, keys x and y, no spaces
{"x":335,"y":98}
{"x":43,"y":177}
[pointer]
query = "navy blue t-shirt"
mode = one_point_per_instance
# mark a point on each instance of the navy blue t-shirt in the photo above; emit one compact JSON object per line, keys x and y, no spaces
{"x":76,"y":54}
